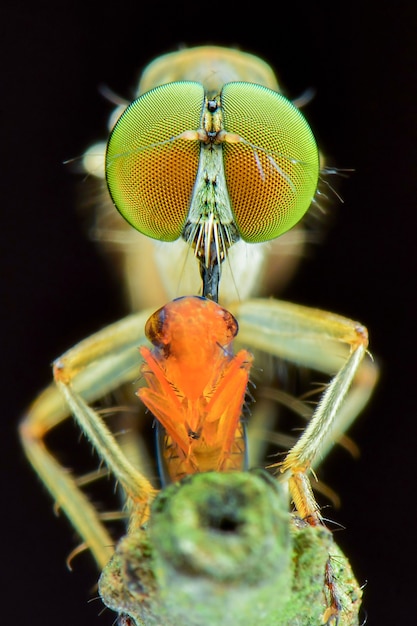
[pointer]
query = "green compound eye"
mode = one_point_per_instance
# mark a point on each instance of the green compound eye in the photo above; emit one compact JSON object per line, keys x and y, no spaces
{"x":150,"y":171}
{"x":272,"y":174}
{"x":270,"y":157}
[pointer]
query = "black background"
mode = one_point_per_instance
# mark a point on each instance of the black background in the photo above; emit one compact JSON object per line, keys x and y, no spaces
{"x":361,"y":59}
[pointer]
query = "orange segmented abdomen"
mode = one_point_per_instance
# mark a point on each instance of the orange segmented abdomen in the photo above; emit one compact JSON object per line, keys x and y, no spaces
{"x":195,"y":387}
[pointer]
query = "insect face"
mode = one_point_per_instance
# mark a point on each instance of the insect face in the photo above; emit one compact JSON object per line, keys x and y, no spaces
{"x":212,"y":167}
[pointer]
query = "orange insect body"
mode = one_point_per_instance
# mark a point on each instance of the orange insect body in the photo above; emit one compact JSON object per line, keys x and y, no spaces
{"x":196,"y":386}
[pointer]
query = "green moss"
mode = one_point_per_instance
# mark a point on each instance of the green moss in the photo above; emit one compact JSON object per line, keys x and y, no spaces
{"x":223,"y":548}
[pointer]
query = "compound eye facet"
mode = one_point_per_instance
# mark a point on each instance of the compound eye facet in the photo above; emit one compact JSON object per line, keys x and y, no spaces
{"x":272,"y":171}
{"x":150,"y":170}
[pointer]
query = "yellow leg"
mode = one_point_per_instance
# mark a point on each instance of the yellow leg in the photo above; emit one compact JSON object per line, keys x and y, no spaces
{"x":325,"y":342}
{"x":47,"y":411}
{"x":84,"y":374}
